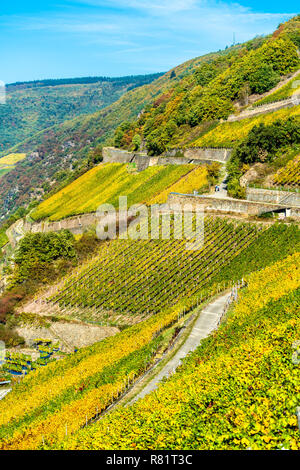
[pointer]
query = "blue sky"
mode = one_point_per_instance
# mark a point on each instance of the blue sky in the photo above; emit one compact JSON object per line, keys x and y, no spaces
{"x":70,"y":38}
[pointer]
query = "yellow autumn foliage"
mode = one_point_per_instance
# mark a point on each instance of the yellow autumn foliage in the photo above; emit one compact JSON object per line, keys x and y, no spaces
{"x":228,"y":133}
{"x":195,"y":180}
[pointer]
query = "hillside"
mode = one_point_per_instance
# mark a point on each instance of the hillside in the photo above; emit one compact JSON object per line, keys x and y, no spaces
{"x":8,"y":162}
{"x":69,"y":145}
{"x":105,"y":183}
{"x":236,"y":391}
{"x":177,"y":109}
{"x":227,"y":134}
{"x":214,"y":92}
{"x":33,"y":106}
{"x":73,"y":390}
{"x":171,"y":324}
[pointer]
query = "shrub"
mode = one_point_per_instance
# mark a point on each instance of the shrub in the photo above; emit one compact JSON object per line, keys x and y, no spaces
{"x":263,"y":79}
{"x":10,"y":338}
{"x":263,"y":140}
{"x":136,"y":142}
{"x":37,"y":251}
{"x":235,"y":189}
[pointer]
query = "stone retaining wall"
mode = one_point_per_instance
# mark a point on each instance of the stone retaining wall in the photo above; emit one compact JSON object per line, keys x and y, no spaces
{"x":201,"y":153}
{"x":142,"y":161}
{"x":263,"y":109}
{"x":77,"y":225}
{"x":273,"y":196}
{"x":114,"y":155}
{"x":214,"y":204}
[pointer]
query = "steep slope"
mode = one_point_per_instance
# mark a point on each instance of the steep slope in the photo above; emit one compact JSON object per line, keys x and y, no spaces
{"x":132,"y":279}
{"x":106,"y":182}
{"x":227,"y":134}
{"x":62,"y":397}
{"x":174,"y":110}
{"x":236,"y":391}
{"x":214,"y":92}
{"x":8,"y":162}
{"x":61,"y":147}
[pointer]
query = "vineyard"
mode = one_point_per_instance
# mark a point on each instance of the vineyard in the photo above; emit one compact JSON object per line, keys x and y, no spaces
{"x":105,"y":183}
{"x":283,"y":93}
{"x":228,"y":133}
{"x":236,"y":391}
{"x":67,"y":394}
{"x":195,"y":180}
{"x":8,"y":162}
{"x":11,"y":159}
{"x":132,"y":279}
{"x":289,"y":175}
{"x":163,"y":327}
{"x":58,"y":400}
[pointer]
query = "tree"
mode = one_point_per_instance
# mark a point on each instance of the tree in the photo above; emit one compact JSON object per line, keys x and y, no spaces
{"x":136,"y":142}
{"x":263,"y":79}
{"x":37,"y":251}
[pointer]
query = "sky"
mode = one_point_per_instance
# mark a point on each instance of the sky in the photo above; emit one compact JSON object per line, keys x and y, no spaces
{"x":77,"y":38}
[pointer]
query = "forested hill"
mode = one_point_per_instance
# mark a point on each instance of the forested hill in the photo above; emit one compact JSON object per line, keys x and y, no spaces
{"x":177,"y":108}
{"x":37,"y":105}
{"x":126,"y":80}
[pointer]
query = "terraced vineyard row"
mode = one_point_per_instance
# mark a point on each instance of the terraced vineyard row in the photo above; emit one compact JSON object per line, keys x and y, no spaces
{"x":141,"y":277}
{"x":289,"y":175}
{"x":104,"y":184}
{"x":228,"y":133}
{"x":64,"y":396}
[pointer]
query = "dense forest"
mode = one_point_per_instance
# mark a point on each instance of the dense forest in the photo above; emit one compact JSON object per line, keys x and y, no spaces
{"x":127,"y":80}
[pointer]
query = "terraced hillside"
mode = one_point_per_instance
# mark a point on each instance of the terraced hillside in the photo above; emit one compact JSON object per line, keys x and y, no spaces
{"x":71,"y":141}
{"x":214,"y":92}
{"x":72,"y":391}
{"x":120,"y":309}
{"x":227,"y":134}
{"x":63,"y":397}
{"x":284,"y":92}
{"x":131,"y":280}
{"x":236,"y":391}
{"x":106,"y":182}
{"x":173,"y":111}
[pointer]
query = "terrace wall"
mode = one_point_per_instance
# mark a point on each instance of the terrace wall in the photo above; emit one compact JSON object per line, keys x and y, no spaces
{"x":201,"y":153}
{"x":265,"y":108}
{"x":273,"y":196}
{"x":177,"y":156}
{"x":214,"y":204}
